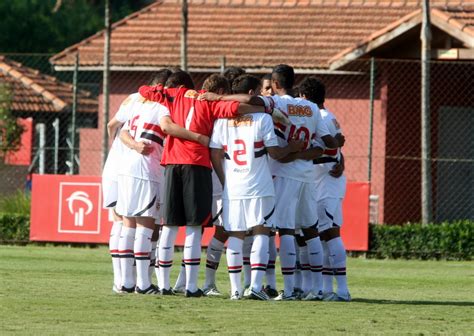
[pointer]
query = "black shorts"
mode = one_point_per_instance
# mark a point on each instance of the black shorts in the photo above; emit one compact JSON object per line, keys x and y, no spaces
{"x":188,"y":195}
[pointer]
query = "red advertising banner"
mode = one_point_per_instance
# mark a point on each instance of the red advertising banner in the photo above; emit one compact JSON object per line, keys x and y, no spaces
{"x":67,"y":208}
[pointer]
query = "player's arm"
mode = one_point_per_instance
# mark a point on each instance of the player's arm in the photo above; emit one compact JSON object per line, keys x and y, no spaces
{"x":307,"y":154}
{"x":141,"y":147}
{"x":169,"y":127}
{"x":278,"y":153}
{"x":341,"y":139}
{"x":241,"y":98}
{"x":217,"y":154}
{"x":112,"y":126}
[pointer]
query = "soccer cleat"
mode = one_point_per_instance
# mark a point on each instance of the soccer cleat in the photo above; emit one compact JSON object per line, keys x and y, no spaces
{"x":211,"y":291}
{"x":281,"y":117}
{"x":262,"y":296}
{"x":125,"y":290}
{"x":164,"y":291}
{"x":115,"y":289}
{"x":271,"y":292}
{"x":196,"y":294}
{"x":333,"y":297}
{"x":283,"y":297}
{"x":247,"y":292}
{"x":299,"y":293}
{"x":179,"y":290}
{"x":152,"y":289}
{"x":236,"y":296}
{"x":313,"y":296}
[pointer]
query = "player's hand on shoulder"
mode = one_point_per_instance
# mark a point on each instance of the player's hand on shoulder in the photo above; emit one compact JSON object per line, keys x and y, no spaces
{"x":337,"y":170}
{"x":209,"y":96}
{"x":143,"y":148}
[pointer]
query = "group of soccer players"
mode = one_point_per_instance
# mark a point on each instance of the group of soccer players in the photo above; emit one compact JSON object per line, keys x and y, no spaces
{"x":253,"y":157}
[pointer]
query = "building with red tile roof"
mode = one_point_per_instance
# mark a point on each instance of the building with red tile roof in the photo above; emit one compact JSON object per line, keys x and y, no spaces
{"x":334,"y":39}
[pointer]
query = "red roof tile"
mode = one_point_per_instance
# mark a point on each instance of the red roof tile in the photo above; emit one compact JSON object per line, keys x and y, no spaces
{"x":250,"y":33}
{"x":33,"y":91}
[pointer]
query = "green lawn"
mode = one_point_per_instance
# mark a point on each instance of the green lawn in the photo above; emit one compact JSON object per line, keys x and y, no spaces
{"x":60,"y":290}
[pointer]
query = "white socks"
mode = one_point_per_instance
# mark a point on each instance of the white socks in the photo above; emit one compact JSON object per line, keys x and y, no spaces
{"x":247,"y":247}
{"x":214,"y":253}
{"x":288,"y":261}
{"x":192,"y":256}
{"x":315,"y":254}
{"x":165,"y":255}
{"x":234,"y":263}
{"x":181,"y":280}
{"x":327,"y":270}
{"x":272,"y":254}
{"x":125,"y":247}
{"x":114,"y":252}
{"x":142,"y":249}
{"x":306,"y":284}
{"x":258,"y":261}
{"x":337,"y":258}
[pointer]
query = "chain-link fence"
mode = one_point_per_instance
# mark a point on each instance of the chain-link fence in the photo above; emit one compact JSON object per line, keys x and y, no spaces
{"x":377,"y":105}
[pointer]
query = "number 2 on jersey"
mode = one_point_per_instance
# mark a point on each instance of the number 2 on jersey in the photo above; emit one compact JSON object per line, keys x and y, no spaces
{"x":240,"y":152}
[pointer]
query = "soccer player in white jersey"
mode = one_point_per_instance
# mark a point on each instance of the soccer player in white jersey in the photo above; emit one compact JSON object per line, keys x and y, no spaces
{"x":294,"y":180}
{"x":238,"y":153}
{"x":139,"y":179}
{"x":109,"y":177}
{"x":331,"y":191}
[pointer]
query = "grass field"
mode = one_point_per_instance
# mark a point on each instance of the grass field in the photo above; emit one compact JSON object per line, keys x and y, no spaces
{"x":60,"y":290}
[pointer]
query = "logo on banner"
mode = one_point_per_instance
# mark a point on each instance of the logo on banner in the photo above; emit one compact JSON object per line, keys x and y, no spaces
{"x":79,"y":208}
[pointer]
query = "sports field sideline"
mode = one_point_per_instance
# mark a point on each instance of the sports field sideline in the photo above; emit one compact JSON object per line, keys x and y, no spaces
{"x":61,"y":290}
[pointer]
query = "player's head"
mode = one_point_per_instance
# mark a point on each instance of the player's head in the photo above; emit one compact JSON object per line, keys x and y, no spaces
{"x":266,"y":85}
{"x":217,"y":84}
{"x":283,"y":77}
{"x":160,"y":77}
{"x":180,"y":79}
{"x":232,"y":73}
{"x":313,"y":89}
{"x":246,"y":84}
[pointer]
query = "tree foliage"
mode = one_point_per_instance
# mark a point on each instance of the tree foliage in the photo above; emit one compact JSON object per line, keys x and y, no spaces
{"x":33,"y":26}
{"x":10,"y":130}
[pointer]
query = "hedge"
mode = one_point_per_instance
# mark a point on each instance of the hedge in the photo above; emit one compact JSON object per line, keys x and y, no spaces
{"x":14,"y":227}
{"x":434,"y":241}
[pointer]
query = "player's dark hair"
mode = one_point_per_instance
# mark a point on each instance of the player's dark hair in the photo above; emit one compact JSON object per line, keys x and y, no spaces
{"x":232,"y":73}
{"x":313,"y":89}
{"x":245,"y":83}
{"x":160,"y":77}
{"x":215,"y":82}
{"x":267,"y":77}
{"x":284,"y":75}
{"x":180,"y":78}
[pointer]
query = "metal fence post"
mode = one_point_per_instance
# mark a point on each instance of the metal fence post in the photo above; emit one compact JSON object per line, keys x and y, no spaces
{"x":41,"y":130}
{"x":371,"y":118}
{"x":184,"y":35}
{"x":106,"y":86}
{"x":73,"y":116}
{"x":426,"y":215}
{"x":222,"y":64}
{"x":56,"y":144}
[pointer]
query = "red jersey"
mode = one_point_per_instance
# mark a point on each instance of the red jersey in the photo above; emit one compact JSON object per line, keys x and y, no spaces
{"x":194,"y":115}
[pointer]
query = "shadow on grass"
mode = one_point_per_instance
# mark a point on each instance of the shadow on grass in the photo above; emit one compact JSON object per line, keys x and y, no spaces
{"x":417,"y":302}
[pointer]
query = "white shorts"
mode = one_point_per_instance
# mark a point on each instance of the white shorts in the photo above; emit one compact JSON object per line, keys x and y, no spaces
{"x":137,"y":197}
{"x":109,"y":193}
{"x":244,"y":214}
{"x":295,"y":204}
{"x":329,"y":213}
{"x":217,"y":210}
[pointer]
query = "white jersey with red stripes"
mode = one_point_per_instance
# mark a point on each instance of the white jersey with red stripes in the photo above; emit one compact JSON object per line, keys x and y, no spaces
{"x":117,"y":149}
{"x":247,"y":173}
{"x":143,"y":125}
{"x":328,"y":186}
{"x":306,"y":125}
